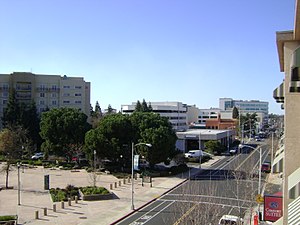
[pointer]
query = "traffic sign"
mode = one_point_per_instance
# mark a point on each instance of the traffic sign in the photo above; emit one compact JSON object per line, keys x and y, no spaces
{"x":259,"y":199}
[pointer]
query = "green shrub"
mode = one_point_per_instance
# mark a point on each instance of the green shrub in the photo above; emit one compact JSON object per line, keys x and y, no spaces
{"x":89,"y":190}
{"x":58,"y":194}
{"x":8,"y":217}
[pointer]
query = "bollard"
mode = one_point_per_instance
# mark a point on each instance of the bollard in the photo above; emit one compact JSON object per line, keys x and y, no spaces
{"x":45,"y":211}
{"x":62,"y":205}
{"x":36,"y":214}
{"x":115,"y":184}
{"x":120,"y":183}
{"x":111,"y":187}
{"x":124,"y":181}
{"x":54,"y":207}
{"x":69,"y":201}
{"x":76,"y":199}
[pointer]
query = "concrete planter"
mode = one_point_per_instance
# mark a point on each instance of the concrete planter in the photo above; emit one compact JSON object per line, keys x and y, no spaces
{"x":96,"y":197}
{"x":11,"y":221}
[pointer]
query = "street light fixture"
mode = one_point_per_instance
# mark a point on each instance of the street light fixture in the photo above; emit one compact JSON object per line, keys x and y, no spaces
{"x":132,"y":170}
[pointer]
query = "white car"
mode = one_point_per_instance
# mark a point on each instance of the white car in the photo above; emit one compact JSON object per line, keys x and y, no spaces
{"x":38,"y":155}
{"x":231,"y":220}
{"x":193,"y":154}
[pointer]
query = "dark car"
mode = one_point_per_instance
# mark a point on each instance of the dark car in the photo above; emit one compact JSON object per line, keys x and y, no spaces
{"x":266,"y":167}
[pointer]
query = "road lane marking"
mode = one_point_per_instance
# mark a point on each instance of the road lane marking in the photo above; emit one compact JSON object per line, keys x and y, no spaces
{"x":185,"y":215}
{"x":159,"y":211}
{"x":147,"y":214}
{"x":209,"y":196}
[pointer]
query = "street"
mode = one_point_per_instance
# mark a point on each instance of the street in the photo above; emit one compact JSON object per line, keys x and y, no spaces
{"x":228,"y":187}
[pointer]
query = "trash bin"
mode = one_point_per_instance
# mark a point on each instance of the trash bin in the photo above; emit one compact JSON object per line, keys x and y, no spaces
{"x":46,"y":182}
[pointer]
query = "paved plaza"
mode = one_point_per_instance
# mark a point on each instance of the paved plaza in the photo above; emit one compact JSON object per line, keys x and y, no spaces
{"x":34,"y":198}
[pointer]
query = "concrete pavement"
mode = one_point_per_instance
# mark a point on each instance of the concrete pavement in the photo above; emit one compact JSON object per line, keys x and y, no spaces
{"x":34,"y":198}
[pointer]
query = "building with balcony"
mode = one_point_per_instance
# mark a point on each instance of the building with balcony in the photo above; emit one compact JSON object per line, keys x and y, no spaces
{"x":47,"y":91}
{"x":287,"y":157}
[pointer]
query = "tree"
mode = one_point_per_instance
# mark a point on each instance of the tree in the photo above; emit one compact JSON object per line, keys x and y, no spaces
{"x":138,"y":107}
{"x":110,"y":110}
{"x":214,"y":147}
{"x":96,"y":115}
{"x":143,"y":107}
{"x":235,"y":113}
{"x":61,"y":128}
{"x":11,"y":146}
{"x":248,"y":123}
{"x":23,"y":115}
{"x":113,"y":132}
{"x":156,"y":130}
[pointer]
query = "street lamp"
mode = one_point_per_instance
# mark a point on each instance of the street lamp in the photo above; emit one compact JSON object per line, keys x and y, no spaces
{"x":132,"y":170}
{"x":19,"y":184}
{"x":260,"y":162}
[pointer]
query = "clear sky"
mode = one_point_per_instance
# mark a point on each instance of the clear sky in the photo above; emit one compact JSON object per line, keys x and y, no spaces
{"x":193,"y":51}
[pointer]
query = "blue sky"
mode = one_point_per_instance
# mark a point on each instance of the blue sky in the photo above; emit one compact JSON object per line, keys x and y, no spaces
{"x":193,"y":51}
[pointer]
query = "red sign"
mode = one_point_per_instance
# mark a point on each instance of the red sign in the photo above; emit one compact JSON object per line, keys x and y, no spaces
{"x":272,"y":208}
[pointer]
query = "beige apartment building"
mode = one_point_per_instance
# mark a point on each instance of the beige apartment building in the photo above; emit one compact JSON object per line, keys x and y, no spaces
{"x":47,"y":91}
{"x":287,"y":158}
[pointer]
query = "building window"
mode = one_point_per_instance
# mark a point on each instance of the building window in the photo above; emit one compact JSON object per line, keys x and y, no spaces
{"x":5,"y":87}
{"x":66,"y":87}
{"x":66,"y":102}
{"x":5,"y":94}
{"x":54,"y":102}
{"x":42,"y":102}
{"x":66,"y":94}
{"x":77,"y":87}
{"x":53,"y":95}
{"x":77,"y":102}
{"x":77,"y":94}
{"x":4,"y":101}
{"x":42,"y":95}
{"x":292,"y":193}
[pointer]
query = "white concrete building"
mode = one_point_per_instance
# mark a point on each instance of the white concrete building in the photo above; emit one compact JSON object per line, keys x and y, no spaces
{"x":205,"y":114}
{"x":47,"y":91}
{"x":176,"y":112}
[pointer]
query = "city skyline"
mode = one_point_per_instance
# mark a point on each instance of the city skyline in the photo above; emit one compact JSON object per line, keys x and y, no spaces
{"x":192,"y":52}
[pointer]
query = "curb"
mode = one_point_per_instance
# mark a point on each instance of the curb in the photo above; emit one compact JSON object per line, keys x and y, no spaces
{"x":147,"y":203}
{"x":154,"y":199}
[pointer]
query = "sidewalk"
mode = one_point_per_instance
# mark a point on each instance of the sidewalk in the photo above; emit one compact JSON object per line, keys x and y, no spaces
{"x":272,"y":186}
{"x":34,"y":198}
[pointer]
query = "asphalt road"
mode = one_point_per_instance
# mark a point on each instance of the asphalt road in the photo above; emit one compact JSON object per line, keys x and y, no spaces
{"x":228,"y":187}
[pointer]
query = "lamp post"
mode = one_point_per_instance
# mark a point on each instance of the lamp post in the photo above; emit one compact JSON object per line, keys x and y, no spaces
{"x":95,"y":152}
{"x":259,"y":171}
{"x":19,"y":185}
{"x":132,"y":170}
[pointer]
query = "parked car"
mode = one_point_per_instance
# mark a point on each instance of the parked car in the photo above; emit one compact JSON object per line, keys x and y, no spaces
{"x":266,"y":167}
{"x":233,"y":151}
{"x":231,"y":220}
{"x":38,"y":155}
{"x":193,"y":154}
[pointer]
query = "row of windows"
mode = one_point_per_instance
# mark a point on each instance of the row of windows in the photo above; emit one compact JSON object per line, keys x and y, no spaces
{"x":68,"y":87}
{"x":54,"y":95}
{"x":54,"y":102}
{"x":177,"y":118}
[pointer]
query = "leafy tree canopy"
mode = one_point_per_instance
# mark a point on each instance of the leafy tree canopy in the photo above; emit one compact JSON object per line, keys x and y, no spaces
{"x":62,"y":128}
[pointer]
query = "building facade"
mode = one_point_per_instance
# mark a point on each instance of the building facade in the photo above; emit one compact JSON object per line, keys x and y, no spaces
{"x":287,"y":157}
{"x":176,"y":112}
{"x":47,"y":91}
{"x":252,"y":106}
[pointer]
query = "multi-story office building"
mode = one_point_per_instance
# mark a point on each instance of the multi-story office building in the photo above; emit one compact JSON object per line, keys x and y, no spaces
{"x":47,"y":91}
{"x":205,"y":114}
{"x":176,"y":112}
{"x":252,"y":106}
{"x":288,"y":94}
